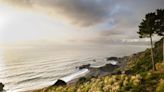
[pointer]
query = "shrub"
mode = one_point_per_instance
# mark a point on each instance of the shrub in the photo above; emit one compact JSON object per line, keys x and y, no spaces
{"x":160,"y":66}
{"x":160,"y":87}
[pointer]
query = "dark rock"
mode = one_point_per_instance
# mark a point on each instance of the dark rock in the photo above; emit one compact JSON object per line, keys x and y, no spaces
{"x":108,"y":67}
{"x":60,"y":83}
{"x":116,"y":73}
{"x":85,"y":66}
{"x":103,"y":70}
{"x":94,"y":60}
{"x":1,"y":86}
{"x":112,"y":58}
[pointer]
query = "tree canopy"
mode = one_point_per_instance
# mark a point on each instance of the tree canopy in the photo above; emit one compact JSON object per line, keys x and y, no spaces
{"x":147,"y":26}
{"x":152,"y":24}
{"x":160,"y":22}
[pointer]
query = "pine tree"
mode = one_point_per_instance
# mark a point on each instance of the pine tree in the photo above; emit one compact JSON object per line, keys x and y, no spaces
{"x":147,"y":29}
{"x":160,"y":22}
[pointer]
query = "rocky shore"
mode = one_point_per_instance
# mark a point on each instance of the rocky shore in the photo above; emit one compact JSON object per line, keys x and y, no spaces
{"x":114,"y":66}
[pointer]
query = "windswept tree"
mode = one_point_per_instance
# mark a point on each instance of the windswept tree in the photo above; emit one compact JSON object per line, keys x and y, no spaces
{"x":160,"y":22}
{"x":147,"y":29}
{"x":152,"y":24}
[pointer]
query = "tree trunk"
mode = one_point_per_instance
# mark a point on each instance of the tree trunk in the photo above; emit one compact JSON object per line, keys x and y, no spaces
{"x":163,"y":48}
{"x":152,"y":53}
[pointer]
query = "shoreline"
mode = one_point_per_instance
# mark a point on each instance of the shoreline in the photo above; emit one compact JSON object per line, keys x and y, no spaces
{"x":86,"y":72}
{"x":69,"y":79}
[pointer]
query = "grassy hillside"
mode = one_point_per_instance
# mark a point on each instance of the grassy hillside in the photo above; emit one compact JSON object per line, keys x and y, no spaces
{"x":141,"y":79}
{"x":141,"y":62}
{"x":146,"y":82}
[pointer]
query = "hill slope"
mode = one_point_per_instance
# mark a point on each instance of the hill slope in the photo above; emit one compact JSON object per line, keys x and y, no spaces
{"x":141,"y":61}
{"x":141,"y":79}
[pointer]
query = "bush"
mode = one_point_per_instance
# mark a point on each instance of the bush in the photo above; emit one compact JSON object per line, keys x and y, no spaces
{"x":82,"y":80}
{"x":160,"y":87}
{"x":160,"y":66}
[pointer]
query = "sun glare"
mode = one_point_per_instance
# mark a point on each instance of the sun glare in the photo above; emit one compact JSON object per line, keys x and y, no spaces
{"x":19,"y":26}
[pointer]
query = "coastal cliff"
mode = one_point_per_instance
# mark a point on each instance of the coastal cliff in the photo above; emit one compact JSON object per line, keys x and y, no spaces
{"x":141,"y":78}
{"x":141,"y":62}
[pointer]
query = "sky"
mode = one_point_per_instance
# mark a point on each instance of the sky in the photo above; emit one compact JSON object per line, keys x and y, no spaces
{"x":98,"y":22}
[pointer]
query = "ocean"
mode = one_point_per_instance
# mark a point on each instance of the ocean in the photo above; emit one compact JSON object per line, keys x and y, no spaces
{"x":27,"y":68}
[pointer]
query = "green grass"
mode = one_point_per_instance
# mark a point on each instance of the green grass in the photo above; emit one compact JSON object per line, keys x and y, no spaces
{"x":145,"y":82}
{"x":141,"y":62}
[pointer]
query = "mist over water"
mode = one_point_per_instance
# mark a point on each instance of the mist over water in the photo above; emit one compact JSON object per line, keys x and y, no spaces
{"x":31,"y":68}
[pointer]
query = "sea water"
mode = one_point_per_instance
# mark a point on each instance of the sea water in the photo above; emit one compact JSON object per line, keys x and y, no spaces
{"x":24,"y":69}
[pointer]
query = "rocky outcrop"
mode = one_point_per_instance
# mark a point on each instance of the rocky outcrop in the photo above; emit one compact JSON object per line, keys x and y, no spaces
{"x":103,"y":70}
{"x":112,"y":58}
{"x":1,"y":87}
{"x":108,"y":67}
{"x":86,"y":66}
{"x":60,"y":83}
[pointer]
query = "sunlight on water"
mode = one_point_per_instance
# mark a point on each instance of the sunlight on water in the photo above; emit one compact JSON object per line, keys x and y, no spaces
{"x":1,"y":60}
{"x":2,"y":66}
{"x":32,"y":68}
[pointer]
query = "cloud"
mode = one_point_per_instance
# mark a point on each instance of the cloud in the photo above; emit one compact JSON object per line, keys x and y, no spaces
{"x":119,"y":19}
{"x":91,"y":12}
{"x":79,"y":12}
{"x":113,"y":32}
